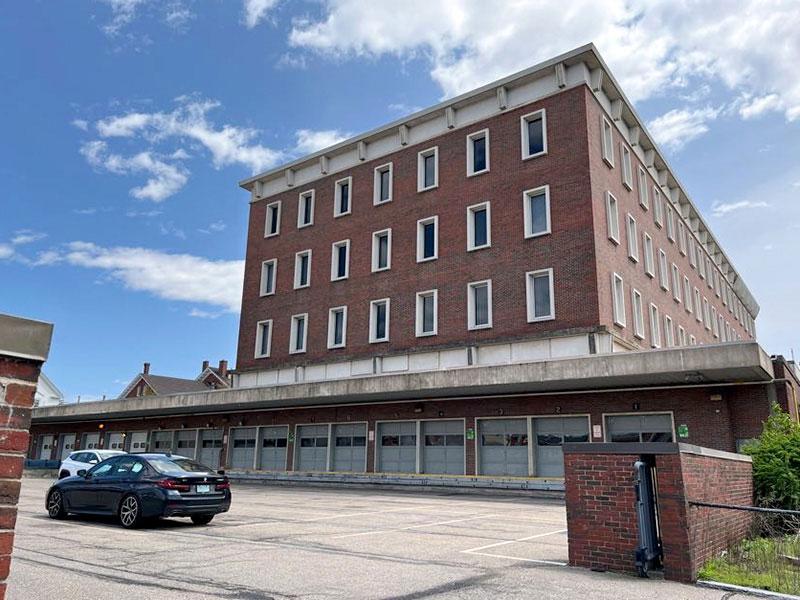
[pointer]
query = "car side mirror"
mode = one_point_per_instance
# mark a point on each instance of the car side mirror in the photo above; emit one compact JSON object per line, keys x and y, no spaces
{"x":221,"y":472}
{"x":82,"y":473}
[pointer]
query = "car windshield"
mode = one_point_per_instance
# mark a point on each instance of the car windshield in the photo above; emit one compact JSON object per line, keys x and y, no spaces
{"x":177,"y":465}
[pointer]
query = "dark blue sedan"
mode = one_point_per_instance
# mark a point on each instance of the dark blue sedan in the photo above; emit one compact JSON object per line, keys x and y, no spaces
{"x":136,"y":487}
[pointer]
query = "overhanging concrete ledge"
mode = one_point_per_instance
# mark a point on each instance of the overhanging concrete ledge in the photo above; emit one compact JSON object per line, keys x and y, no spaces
{"x":721,"y":364}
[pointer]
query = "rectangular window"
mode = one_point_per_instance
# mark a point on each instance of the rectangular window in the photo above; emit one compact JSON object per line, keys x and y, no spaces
{"x":714,"y":322}
{"x":639,"y":428}
{"x":669,"y":332}
{"x":428,"y":169}
{"x":479,"y":226}
{"x":608,"y":141}
{"x":427,"y":239}
{"x":658,"y":207}
{"x":663,"y":270}
{"x":337,"y":327}
{"x":638,"y":313}
{"x":478,"y":152}
{"x":263,"y":338}
{"x":682,"y":237}
{"x":707,"y":313}
{"x":692,"y":253}
{"x":670,"y":223}
{"x":479,"y":304}
{"x":676,"y":283}
{"x":340,"y":260}
{"x":681,"y":336}
{"x":649,"y":256}
{"x":272,"y":225}
{"x":382,"y":184}
{"x":709,"y":272}
{"x":612,"y":217}
{"x":627,"y":170}
{"x":298,"y":334}
{"x":687,"y":294}
{"x":302,"y":269}
{"x":269,"y":270}
{"x":655,"y":327}
{"x":633,"y":238}
{"x":379,"y":321}
{"x":536,"y":211}
{"x":382,"y":250}
{"x":692,"y":340}
{"x":427,"y":312}
{"x":643,"y":200}
{"x":618,"y":299}
{"x":701,"y":265}
{"x":534,"y":134}
{"x":342,"y":203}
{"x":305,"y":209}
{"x":698,"y":311}
{"x":541,"y":304}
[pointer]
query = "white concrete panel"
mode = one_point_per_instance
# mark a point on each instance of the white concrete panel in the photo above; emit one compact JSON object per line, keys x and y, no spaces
{"x":451,"y":359}
{"x":424,"y":361}
{"x":339,"y":370}
{"x":530,"y":351}
{"x":499,"y":354}
{"x":393,"y":364}
{"x":268,"y":377}
{"x":286,"y":375}
{"x":315,"y":373}
{"x":569,"y":346}
{"x":245,"y":380}
{"x":361,"y":367}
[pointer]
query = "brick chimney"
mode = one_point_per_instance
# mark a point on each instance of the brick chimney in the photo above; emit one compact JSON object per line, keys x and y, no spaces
{"x":146,"y":368}
{"x":223,"y":368}
{"x":205,"y":366}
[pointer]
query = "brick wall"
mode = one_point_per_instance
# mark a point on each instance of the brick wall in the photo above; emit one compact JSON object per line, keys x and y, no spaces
{"x":601,"y":510}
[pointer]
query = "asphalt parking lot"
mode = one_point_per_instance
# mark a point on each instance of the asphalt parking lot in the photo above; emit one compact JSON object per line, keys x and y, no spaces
{"x":303,"y":542}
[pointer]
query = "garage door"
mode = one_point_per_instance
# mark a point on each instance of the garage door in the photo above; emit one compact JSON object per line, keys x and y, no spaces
{"x":67,"y":444}
{"x":443,"y":447}
{"x":550,"y":434}
{"x":161,"y":441}
{"x":312,"y":448}
{"x":273,"y":448}
{"x":186,"y":440}
{"x":90,"y":441}
{"x":639,"y":428}
{"x":503,"y":447}
{"x":350,"y":447}
{"x":46,"y":446}
{"x":138,"y":441}
{"x":116,"y":440}
{"x":397,"y":447}
{"x":243,"y":448}
{"x":210,"y":447}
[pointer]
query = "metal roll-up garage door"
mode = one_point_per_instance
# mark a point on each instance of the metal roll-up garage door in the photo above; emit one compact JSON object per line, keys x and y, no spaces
{"x":67,"y":445}
{"x":273,"y":448}
{"x":350,"y":447}
{"x":210,"y":447}
{"x":138,"y":441}
{"x":243,"y":448}
{"x":115,"y":441}
{"x":46,"y":446}
{"x":550,"y":434}
{"x":90,"y":441}
{"x":503,"y":447}
{"x":186,"y":440}
{"x":312,"y":448}
{"x":397,"y":447}
{"x":161,"y":441}
{"x":443,"y":447}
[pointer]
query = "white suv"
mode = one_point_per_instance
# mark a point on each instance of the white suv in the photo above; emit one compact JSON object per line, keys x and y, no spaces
{"x":84,"y":459}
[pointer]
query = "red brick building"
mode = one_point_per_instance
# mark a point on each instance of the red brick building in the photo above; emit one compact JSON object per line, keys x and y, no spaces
{"x":464,"y":290}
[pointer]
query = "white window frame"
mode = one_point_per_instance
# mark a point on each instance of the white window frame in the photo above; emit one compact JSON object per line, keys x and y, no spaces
{"x":649,"y":256}
{"x":692,"y":252}
{"x":335,"y":263}
{"x":531,"y":301}
{"x":274,"y":263}
{"x":655,"y":326}
{"x":669,"y":332}
{"x":420,"y":316}
{"x":644,"y":201}
{"x":681,"y":336}
{"x":681,"y":237}
{"x":692,"y":340}
{"x":272,"y":206}
{"x":523,"y":123}
{"x":670,"y":217}
{"x":302,"y":199}
{"x":293,"y":334}
{"x":259,"y":339}
{"x":632,"y":237}
{"x":707,"y":313}
{"x":526,"y":210}
{"x":373,"y":339}
{"x":676,"y":283}
{"x":658,"y":207}
{"x":376,"y":250}
{"x":471,"y":226}
{"x":715,"y":321}
{"x":637,"y":306}
{"x":337,"y":197}
{"x":698,"y":306}
{"x":618,"y":299}
{"x":607,"y":141}
{"x":331,"y":327}
{"x":421,"y":155}
{"x":376,"y":183}
{"x":612,"y":217}
{"x":471,"y":152}
{"x":687,"y":294}
{"x":471,"y":304}
{"x":297,"y":257}
{"x":627,"y":168}
{"x":663,"y":270}
{"x":421,"y":238}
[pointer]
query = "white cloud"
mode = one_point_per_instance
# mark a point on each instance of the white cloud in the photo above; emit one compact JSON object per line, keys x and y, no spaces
{"x":143,"y":213}
{"x":749,"y":46}
{"x":256,"y":11}
{"x":181,"y":277}
{"x":27,"y":236}
{"x":81,"y":124}
{"x":178,"y":15}
{"x":309,"y":141}
{"x":123,"y":12}
{"x":720,"y":209}
{"x":756,"y":107}
{"x":214,"y":227}
{"x":204,"y":314}
{"x":678,"y":127}
{"x":6,"y":251}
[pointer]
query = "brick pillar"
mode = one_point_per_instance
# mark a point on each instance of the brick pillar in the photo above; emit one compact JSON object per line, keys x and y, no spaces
{"x":24,"y":346}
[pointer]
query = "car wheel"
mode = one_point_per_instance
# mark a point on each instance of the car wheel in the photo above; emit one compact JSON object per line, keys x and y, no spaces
{"x":202,"y":519}
{"x":55,"y":505}
{"x":63,"y":475}
{"x":130,"y":512}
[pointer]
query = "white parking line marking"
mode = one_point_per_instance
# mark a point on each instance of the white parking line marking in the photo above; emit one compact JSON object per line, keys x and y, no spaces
{"x":420,"y":526}
{"x":530,"y":537}
{"x":530,"y":560}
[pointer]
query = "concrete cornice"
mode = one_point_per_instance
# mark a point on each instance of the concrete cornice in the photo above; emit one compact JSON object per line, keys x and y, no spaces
{"x":25,"y":338}
{"x":713,"y":365}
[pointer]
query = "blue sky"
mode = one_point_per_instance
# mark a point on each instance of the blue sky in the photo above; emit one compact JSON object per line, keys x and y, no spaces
{"x":126,"y":125}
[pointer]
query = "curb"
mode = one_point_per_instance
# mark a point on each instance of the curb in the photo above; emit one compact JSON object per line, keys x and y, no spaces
{"x":729,"y":587}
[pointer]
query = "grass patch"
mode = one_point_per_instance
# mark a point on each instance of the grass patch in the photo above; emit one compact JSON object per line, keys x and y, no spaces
{"x":759,"y":563}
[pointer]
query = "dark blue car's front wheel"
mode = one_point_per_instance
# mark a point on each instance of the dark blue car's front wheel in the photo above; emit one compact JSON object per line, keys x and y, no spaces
{"x":130,"y":512}
{"x":55,"y":505}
